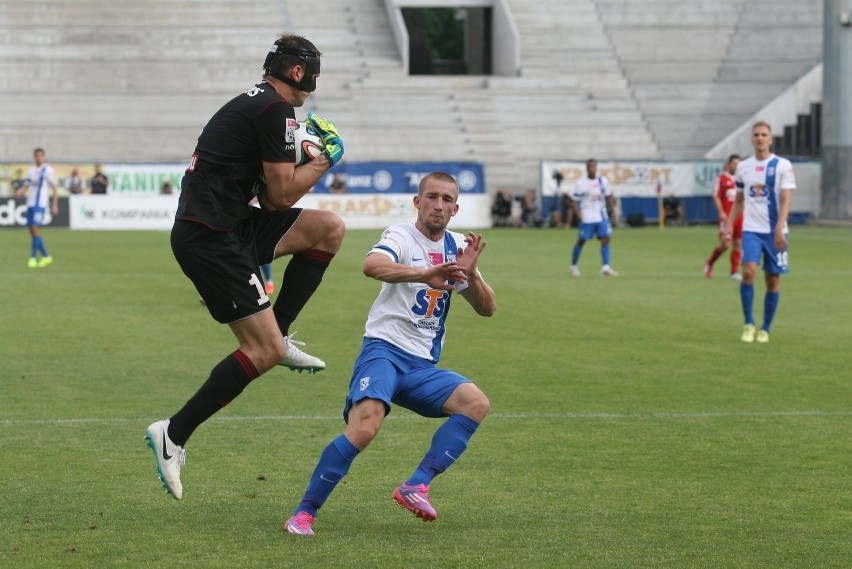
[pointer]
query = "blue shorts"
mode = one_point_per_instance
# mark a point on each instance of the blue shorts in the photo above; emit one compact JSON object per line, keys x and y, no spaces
{"x":35,"y":216}
{"x":387,"y":373}
{"x":600,"y":230}
{"x":757,"y":245}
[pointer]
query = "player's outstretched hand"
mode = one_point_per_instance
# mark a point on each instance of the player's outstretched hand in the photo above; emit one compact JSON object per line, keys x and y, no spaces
{"x":330,"y":137}
{"x":439,"y":276}
{"x":469,"y":256}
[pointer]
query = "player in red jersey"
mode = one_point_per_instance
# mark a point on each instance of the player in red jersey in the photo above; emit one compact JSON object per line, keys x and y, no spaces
{"x":726,"y":193}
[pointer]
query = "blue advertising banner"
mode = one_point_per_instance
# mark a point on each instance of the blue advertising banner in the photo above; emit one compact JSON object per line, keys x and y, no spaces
{"x":397,"y":177}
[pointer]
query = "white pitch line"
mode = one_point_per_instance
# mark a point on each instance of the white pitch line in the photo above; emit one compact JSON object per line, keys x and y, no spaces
{"x":492,"y":416}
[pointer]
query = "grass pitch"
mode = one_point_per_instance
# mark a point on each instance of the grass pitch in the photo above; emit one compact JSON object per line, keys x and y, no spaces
{"x":629,"y":426}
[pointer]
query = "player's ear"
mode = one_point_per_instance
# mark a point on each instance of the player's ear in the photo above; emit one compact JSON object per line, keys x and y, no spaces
{"x":416,"y":201}
{"x":455,"y":209}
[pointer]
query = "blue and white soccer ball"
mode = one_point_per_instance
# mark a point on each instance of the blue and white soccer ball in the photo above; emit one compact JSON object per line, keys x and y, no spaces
{"x":309,"y":145}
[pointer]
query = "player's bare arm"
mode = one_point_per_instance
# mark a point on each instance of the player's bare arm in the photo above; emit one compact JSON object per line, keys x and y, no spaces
{"x":54,"y":207}
{"x":783,"y":213}
{"x":286,"y":184}
{"x":478,"y":293}
{"x":381,"y":267}
{"x":720,"y":209}
{"x":735,"y":212}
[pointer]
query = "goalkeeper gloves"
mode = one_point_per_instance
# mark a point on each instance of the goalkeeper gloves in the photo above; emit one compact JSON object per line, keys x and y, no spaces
{"x":330,"y":137}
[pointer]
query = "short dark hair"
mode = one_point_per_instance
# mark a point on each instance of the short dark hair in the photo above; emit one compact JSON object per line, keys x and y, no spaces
{"x":39,"y":149}
{"x":292,"y":41}
{"x":733,"y":157}
{"x":438,"y":176}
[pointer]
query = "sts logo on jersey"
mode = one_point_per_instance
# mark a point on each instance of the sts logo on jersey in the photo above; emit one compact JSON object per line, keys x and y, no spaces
{"x":430,"y":303}
{"x":758,"y":191}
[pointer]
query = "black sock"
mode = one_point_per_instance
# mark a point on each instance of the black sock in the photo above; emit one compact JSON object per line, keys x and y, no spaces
{"x":301,"y":278}
{"x":226,"y":381}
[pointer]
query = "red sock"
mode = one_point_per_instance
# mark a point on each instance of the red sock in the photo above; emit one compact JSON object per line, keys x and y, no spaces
{"x":736,"y":255}
{"x":715,"y":255}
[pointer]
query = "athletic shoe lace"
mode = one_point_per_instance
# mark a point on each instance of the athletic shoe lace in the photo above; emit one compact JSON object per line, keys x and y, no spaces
{"x":303,"y":520}
{"x":291,"y":342}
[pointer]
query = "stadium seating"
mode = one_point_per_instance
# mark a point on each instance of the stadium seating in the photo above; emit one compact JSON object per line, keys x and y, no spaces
{"x":96,"y":80}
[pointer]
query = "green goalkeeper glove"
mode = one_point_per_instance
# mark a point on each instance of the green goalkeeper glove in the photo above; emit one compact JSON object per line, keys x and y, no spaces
{"x":330,"y":137}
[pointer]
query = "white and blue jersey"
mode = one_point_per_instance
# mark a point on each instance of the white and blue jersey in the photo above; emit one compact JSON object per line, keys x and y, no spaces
{"x":412,"y":316}
{"x":591,"y":194}
{"x":40,"y":180}
{"x":761,"y":182}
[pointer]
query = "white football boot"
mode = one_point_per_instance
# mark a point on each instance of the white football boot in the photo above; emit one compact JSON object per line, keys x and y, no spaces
{"x":297,"y":360}
{"x":170,"y":457}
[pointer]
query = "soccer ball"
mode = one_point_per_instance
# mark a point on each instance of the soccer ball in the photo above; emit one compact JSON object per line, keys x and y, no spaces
{"x":309,"y":145}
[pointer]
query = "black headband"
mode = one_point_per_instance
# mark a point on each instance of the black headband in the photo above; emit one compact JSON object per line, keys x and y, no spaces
{"x":275,"y":66}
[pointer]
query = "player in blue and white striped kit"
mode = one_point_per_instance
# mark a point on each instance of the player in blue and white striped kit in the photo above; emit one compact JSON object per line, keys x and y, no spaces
{"x":420,"y":265}
{"x":592,"y":195}
{"x":765,"y":183}
{"x":40,"y":187}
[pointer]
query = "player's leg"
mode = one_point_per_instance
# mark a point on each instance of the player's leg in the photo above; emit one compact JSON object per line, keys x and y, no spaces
{"x":313,"y":240}
{"x":584,"y":234}
{"x":752,"y":250}
{"x":35,"y":217}
{"x":371,"y":388}
{"x":604,"y":232}
{"x":365,"y":419}
{"x":223,"y":268}
{"x":434,"y":392}
{"x":737,"y":252}
{"x":312,"y":237}
{"x":723,"y":245}
{"x":775,"y":264}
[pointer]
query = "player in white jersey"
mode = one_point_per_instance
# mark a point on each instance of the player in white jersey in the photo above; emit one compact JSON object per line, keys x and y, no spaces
{"x":40,"y":187}
{"x":592,"y":195}
{"x":420,"y":265}
{"x":765,"y":183}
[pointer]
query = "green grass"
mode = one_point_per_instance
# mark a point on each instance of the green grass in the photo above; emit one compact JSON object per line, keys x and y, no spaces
{"x":629,"y":426}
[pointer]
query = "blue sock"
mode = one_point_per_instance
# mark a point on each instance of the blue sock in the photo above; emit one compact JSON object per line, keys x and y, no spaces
{"x":41,"y":247}
{"x":605,"y":254}
{"x":448,"y":443}
{"x":267,"y":271}
{"x":770,"y":304}
{"x":333,"y":465}
{"x":575,"y":254}
{"x":34,"y":246}
{"x":747,"y":298}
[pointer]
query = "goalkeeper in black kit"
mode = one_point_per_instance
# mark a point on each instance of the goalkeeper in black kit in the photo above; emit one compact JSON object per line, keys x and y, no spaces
{"x":245,"y":156}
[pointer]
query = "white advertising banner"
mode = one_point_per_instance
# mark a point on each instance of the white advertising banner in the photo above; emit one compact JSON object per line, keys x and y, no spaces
{"x":122,"y":212}
{"x":635,"y":179}
{"x":377,"y":211}
{"x":358,"y":211}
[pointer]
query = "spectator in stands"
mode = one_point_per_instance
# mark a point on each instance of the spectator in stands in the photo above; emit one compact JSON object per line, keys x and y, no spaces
{"x":530,"y":214}
{"x":99,"y":182}
{"x":673,"y":211}
{"x":74,"y":183}
{"x":592,"y":198}
{"x":723,"y":198}
{"x":41,"y":180}
{"x":219,"y":239}
{"x":166,"y":189}
{"x":18,"y":181}
{"x":338,"y":185}
{"x":501,"y":210}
